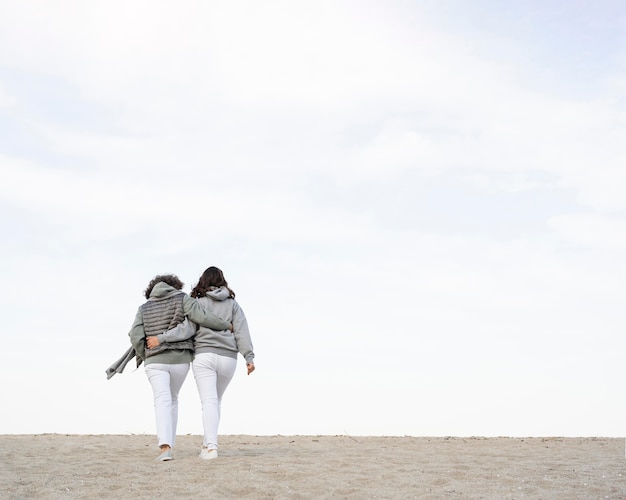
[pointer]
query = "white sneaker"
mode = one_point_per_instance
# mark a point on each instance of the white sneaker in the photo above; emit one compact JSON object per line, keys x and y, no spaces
{"x":165,"y":456}
{"x":207,"y":454}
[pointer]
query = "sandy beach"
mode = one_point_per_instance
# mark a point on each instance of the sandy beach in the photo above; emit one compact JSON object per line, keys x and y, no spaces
{"x":114,"y":466}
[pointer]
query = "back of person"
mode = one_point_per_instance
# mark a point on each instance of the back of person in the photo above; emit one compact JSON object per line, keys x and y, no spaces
{"x":219,"y":299}
{"x":216,"y":352}
{"x":224,"y":342}
{"x":163,"y":311}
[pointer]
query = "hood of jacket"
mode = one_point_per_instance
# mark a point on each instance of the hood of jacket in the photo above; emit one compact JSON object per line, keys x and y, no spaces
{"x":162,"y":290}
{"x":218,"y":293}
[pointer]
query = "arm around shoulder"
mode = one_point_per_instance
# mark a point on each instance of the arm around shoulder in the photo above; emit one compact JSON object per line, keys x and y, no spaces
{"x":197,"y":314}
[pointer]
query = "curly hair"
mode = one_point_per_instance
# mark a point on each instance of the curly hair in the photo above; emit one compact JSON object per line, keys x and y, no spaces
{"x":211,"y":277}
{"x":170,"y":279}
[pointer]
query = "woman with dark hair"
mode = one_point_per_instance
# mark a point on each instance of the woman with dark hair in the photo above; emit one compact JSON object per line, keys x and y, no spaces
{"x":167,"y":364}
{"x":216,"y":349}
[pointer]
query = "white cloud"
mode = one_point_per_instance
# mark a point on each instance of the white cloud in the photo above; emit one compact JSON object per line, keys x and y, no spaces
{"x":100,"y":206}
{"x":590,"y":230}
{"x":433,"y":101}
{"x":6,"y":98}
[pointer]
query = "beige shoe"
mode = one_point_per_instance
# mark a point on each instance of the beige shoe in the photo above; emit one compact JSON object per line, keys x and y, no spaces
{"x":206,"y":454}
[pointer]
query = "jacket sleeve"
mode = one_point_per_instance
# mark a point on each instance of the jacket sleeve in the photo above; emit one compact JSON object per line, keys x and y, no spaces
{"x":195,"y":312}
{"x":242,"y":334}
{"x":137,"y":335}
{"x":120,"y":364}
{"x":182,"y":331}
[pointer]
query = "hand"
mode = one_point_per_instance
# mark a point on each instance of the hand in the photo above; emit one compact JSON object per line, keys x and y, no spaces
{"x":152,"y":342}
{"x":250,"y":368}
{"x":232,"y":328}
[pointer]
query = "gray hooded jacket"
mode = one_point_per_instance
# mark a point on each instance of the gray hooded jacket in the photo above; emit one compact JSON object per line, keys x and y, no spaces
{"x":223,"y":342}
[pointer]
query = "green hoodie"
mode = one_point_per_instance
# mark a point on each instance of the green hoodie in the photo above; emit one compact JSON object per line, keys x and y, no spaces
{"x":192,"y":310}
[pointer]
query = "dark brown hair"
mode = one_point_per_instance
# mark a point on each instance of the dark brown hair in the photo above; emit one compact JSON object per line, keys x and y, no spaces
{"x":211,"y":277}
{"x":170,"y":279}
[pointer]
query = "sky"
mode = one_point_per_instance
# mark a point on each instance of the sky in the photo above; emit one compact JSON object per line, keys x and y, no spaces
{"x":420,"y":205}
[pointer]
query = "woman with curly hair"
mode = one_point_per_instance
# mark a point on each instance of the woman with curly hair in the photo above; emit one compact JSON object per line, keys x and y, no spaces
{"x":167,"y":364}
{"x":216,"y":349}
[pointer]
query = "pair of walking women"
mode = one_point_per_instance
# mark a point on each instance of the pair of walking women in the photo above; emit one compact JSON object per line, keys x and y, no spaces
{"x":207,"y":330}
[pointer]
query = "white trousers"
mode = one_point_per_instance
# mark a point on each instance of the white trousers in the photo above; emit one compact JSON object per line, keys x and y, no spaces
{"x":166,"y":381}
{"x":213,"y":373}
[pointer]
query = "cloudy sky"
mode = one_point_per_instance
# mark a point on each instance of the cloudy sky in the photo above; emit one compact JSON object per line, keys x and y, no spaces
{"x":420,"y":205}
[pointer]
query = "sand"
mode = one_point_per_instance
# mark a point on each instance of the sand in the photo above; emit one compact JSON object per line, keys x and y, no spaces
{"x":113,"y":466}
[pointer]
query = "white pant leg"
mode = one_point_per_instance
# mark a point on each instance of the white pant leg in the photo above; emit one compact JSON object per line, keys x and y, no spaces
{"x":166,"y":381}
{"x":213,"y":373}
